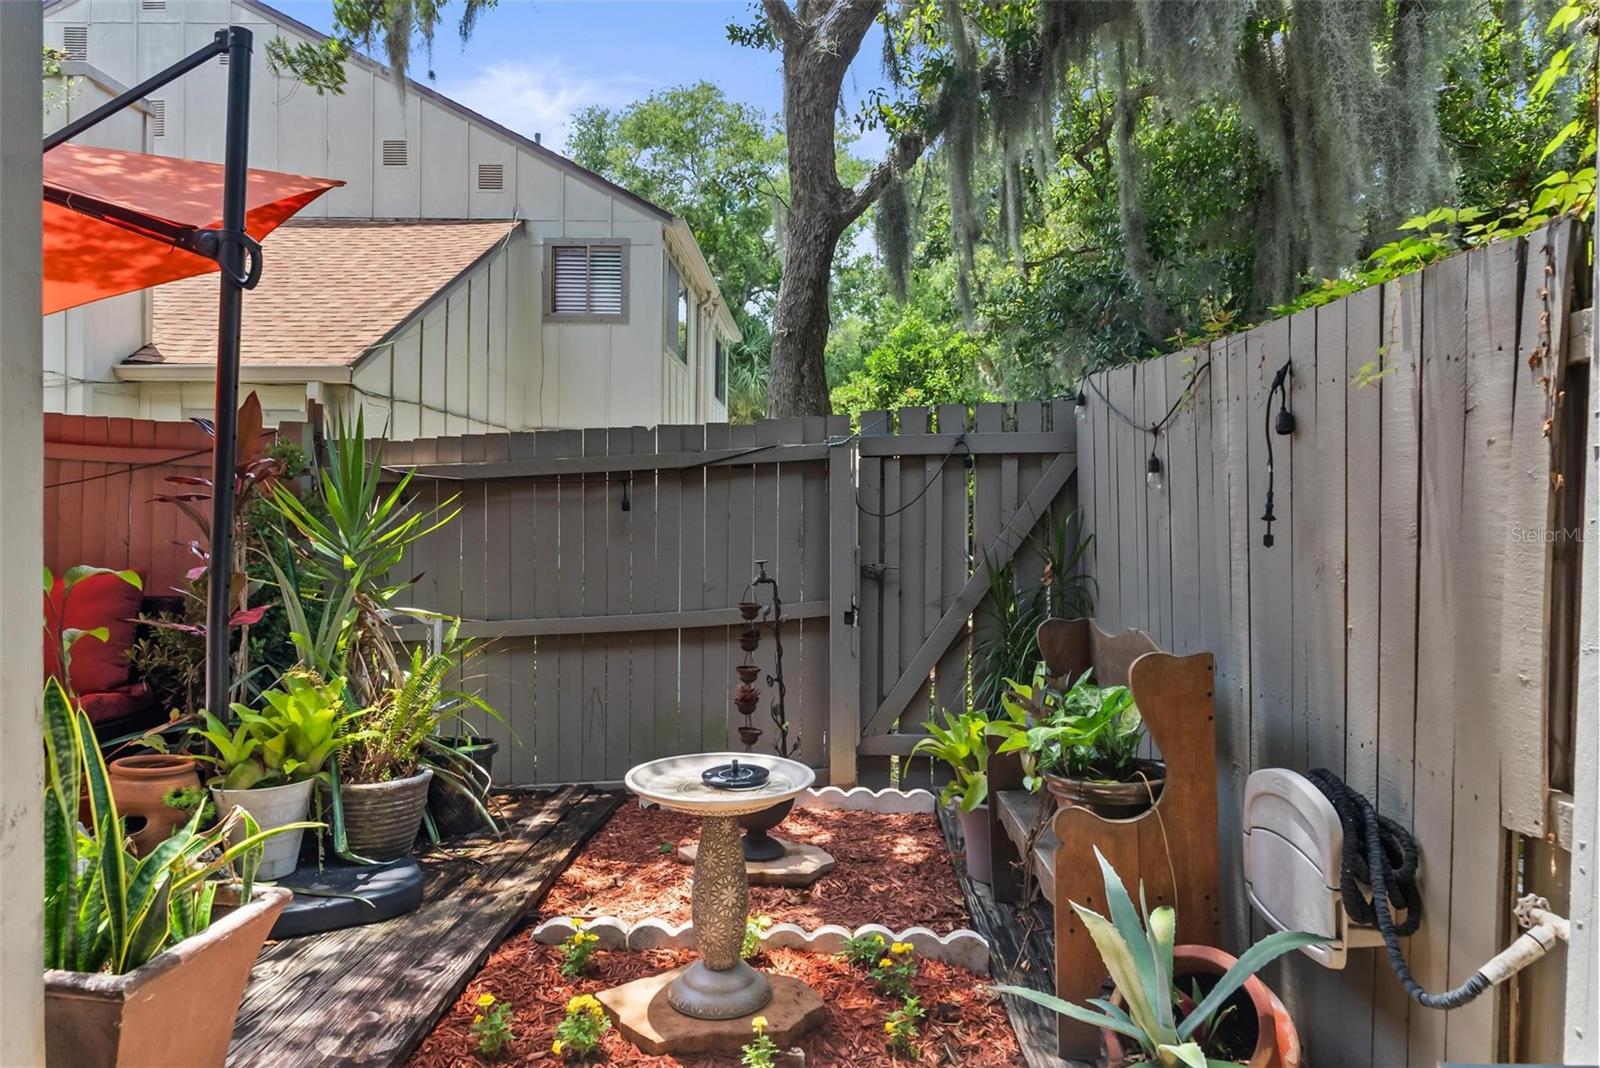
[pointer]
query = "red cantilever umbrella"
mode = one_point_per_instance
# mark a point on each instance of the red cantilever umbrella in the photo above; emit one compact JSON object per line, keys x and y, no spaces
{"x":113,"y":220}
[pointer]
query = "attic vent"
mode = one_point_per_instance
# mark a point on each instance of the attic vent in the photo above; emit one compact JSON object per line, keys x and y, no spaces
{"x":75,"y":42}
{"x":491,"y":177}
{"x":158,"y":117}
{"x":152,"y":5}
{"x":394,"y":154}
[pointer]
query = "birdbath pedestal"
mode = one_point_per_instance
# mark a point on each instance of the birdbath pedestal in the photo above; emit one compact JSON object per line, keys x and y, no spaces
{"x":720,"y":986}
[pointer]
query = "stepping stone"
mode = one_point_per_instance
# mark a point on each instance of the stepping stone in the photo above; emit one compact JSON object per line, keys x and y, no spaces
{"x":641,"y":1012}
{"x":800,"y":865}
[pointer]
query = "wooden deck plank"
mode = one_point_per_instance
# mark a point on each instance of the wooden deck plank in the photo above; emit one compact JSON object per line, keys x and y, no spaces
{"x":369,"y":995}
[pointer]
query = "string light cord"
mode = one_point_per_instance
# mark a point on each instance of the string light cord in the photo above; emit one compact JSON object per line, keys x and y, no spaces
{"x":959,"y":443}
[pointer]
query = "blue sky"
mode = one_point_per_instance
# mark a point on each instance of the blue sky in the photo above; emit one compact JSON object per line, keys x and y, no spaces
{"x":531,"y":65}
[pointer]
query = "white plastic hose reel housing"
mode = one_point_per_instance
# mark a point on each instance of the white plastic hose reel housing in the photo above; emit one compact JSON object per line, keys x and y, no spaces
{"x":1293,"y":846}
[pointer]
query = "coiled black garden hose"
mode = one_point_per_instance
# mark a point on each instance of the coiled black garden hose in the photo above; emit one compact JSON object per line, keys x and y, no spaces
{"x":1382,"y":854}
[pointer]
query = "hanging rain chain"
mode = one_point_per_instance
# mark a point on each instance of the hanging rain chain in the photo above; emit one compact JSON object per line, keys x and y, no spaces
{"x":1284,"y":426}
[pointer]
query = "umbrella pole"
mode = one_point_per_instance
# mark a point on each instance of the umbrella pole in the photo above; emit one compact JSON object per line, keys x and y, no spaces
{"x":219,"y":607}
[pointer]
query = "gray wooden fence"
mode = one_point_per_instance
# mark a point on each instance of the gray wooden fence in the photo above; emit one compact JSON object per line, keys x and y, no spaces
{"x":612,"y":629}
{"x":1410,"y":627}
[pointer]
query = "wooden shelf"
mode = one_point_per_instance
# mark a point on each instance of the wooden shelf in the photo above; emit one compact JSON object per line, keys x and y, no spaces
{"x":1019,"y":813}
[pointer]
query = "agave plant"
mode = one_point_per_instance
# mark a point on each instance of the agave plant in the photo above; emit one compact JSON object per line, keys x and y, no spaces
{"x":1138,"y":956}
{"x":104,"y":908}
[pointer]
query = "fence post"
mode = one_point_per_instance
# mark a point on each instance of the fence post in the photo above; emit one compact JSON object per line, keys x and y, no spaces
{"x":844,"y":662}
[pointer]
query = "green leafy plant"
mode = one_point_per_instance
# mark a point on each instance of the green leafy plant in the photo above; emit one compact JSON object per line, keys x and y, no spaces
{"x":408,"y":713}
{"x":492,"y":1025}
{"x":963,"y":744}
{"x":1081,"y":732}
{"x":576,"y":950}
{"x":902,"y":1026}
{"x":106,"y":909}
{"x":759,"y":1051}
{"x":191,"y":799}
{"x":862,"y":951}
{"x":1005,"y":637}
{"x":1136,"y":948}
{"x":580,"y":1031}
{"x":750,"y":944}
{"x":895,"y":969}
{"x":1068,"y":586}
{"x":301,"y":725}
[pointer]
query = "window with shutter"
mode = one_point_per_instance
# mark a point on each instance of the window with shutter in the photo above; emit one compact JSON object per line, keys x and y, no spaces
{"x":588,"y":281}
{"x":75,"y":42}
{"x":719,"y":373}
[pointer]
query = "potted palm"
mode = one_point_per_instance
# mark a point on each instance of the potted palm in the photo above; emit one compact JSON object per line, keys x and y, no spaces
{"x":1179,"y":1005}
{"x":1082,"y":743}
{"x":268,"y":761}
{"x":128,"y":940}
{"x":962,"y":743}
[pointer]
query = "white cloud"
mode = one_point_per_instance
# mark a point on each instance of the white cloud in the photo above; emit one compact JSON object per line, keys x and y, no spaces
{"x":539,"y":100}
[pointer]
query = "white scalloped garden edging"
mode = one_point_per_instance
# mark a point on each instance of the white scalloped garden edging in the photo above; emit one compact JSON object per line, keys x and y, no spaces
{"x":962,"y":948}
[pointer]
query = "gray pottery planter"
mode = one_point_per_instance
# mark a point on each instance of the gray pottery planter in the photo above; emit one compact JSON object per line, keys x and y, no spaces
{"x":381,"y":818}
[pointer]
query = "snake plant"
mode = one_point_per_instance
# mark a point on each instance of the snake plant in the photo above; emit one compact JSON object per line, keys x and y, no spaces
{"x":1138,"y":956}
{"x":106,"y":909}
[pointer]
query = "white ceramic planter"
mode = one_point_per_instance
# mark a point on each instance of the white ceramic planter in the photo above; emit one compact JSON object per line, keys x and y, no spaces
{"x":272,"y":807}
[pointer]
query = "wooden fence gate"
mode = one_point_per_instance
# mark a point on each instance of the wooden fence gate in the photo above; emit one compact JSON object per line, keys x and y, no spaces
{"x":606,"y":567}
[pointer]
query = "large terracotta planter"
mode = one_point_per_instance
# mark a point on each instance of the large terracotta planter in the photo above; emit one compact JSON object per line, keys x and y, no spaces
{"x":138,"y":786}
{"x":381,"y":819}
{"x":177,"y":1009}
{"x":1277,"y":1040}
{"x":271,"y":807}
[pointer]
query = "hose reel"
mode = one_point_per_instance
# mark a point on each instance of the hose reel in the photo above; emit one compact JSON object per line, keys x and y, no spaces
{"x":1310,"y":846}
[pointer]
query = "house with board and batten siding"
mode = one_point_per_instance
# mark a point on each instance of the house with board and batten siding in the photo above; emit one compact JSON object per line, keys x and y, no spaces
{"x":464,"y":279}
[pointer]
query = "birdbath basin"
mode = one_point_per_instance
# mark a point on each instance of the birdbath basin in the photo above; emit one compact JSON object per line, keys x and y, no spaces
{"x":720,"y":985}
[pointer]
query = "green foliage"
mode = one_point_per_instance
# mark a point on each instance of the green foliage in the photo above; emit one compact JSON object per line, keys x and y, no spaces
{"x":190,"y":799}
{"x":1005,"y":634}
{"x":862,"y":951}
{"x":104,"y":908}
{"x":492,"y":1025}
{"x":1083,"y":731}
{"x":902,"y":1025}
{"x":581,"y":1029}
{"x":302,"y":724}
{"x":576,"y":951}
{"x":760,"y":1051}
{"x":962,"y":743}
{"x":1136,"y":948}
{"x":918,"y":362}
{"x":407,"y":713}
{"x":750,"y":944}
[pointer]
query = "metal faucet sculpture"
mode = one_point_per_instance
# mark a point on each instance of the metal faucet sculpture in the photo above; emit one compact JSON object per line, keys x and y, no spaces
{"x":746,"y":696}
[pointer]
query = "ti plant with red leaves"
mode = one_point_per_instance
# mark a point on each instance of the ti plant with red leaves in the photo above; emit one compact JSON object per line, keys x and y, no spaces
{"x":255,"y":473}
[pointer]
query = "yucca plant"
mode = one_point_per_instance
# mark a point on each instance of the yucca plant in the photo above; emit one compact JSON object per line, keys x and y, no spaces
{"x":1138,"y":957}
{"x":106,"y":909}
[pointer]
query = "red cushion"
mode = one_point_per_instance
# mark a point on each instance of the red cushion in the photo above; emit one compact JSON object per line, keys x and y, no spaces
{"x":97,"y":601}
{"x":115,"y":704}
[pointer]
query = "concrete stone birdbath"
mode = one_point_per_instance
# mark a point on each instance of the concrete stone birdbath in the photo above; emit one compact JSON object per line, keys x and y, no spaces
{"x":720,"y":986}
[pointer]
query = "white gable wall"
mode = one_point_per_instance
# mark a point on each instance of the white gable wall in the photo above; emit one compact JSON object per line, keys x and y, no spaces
{"x":613,"y":374}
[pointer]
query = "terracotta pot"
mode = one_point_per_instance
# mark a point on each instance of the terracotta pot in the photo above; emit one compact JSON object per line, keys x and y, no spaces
{"x":749,"y":609}
{"x":1113,"y":800}
{"x":1277,"y":1040}
{"x":138,"y":784}
{"x":271,"y":806}
{"x":177,"y":1009}
{"x":748,"y":673}
{"x":975,"y":842}
{"x":750,"y":638}
{"x":381,"y":818}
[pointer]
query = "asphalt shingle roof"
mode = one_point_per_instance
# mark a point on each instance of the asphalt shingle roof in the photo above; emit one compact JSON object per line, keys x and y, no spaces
{"x":329,"y":290}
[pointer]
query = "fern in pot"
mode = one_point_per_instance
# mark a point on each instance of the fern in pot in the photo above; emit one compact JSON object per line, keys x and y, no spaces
{"x":381,"y":790}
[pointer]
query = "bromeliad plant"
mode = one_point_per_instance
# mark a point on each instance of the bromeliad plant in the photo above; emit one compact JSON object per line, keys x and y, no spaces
{"x":1136,"y":946}
{"x":301,"y":726}
{"x":105,"y":909}
{"x":963,"y":744}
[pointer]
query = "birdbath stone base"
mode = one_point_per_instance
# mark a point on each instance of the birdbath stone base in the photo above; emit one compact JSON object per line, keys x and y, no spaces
{"x":720,"y":986}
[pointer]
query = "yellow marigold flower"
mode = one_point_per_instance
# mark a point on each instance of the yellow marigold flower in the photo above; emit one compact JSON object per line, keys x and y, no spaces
{"x":888,"y":1027}
{"x":759,"y":1024}
{"x":575,"y":1004}
{"x":477,"y":1018}
{"x":556,"y":1047}
{"x":901,"y":948}
{"x":485,"y":1000}
{"x":765,"y":921}
{"x":886,"y":963}
{"x":878,"y":938}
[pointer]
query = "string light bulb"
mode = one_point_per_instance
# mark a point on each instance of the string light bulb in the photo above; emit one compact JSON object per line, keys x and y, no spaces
{"x":1080,"y":405}
{"x":1152,"y":472}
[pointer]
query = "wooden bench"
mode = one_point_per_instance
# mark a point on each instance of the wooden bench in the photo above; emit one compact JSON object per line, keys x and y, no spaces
{"x":1172,"y":848}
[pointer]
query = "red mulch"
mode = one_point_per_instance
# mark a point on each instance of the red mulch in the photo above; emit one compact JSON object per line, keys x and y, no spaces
{"x":965,"y":1025}
{"x":892,"y":869}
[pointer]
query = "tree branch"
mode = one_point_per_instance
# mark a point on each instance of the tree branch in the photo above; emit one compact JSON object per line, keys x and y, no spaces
{"x":847,"y":20}
{"x":902,"y":154}
{"x":783,"y":21}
